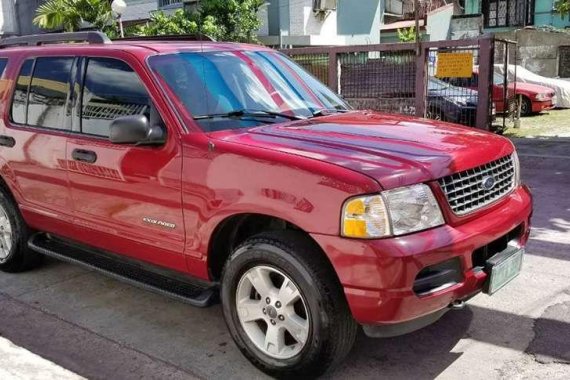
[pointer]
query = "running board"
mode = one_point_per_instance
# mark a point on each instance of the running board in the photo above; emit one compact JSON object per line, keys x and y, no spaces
{"x":134,"y":273}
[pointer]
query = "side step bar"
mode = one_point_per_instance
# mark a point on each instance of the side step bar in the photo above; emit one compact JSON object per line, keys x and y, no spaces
{"x":192,"y":292}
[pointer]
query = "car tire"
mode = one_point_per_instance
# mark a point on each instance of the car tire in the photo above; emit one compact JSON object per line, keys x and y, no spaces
{"x":15,"y":256}
{"x":526,"y":107}
{"x":319,"y":317}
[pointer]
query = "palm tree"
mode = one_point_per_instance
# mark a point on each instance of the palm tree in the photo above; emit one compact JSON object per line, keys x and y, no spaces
{"x":70,"y":14}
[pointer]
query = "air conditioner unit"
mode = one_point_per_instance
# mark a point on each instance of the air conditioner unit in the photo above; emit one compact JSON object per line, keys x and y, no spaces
{"x":324,"y":6}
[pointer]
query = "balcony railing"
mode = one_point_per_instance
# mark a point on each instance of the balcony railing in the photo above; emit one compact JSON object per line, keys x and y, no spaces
{"x":167,"y":3}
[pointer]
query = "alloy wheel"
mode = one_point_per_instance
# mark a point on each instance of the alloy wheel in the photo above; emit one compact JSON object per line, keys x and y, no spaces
{"x":272,"y":312}
{"x":5,"y":235}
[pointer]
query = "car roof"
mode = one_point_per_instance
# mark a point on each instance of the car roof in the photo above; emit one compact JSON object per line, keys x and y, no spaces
{"x":138,"y":47}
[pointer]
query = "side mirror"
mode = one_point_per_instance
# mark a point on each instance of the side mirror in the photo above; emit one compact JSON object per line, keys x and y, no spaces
{"x":136,"y":129}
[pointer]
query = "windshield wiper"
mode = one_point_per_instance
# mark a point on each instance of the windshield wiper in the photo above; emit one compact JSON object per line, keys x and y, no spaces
{"x":328,"y":111}
{"x":248,"y":113}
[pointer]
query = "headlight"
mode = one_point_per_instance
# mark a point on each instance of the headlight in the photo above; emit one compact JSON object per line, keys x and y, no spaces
{"x":391,"y":213}
{"x":541,"y":97}
{"x":517,"y":168}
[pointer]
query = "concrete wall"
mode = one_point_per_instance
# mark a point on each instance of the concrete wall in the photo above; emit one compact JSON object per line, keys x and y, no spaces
{"x":439,"y":23}
{"x":538,"y":51}
{"x":25,"y":13}
{"x":8,"y":20}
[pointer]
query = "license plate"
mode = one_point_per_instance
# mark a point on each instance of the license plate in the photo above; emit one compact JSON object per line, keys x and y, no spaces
{"x":502,"y":268}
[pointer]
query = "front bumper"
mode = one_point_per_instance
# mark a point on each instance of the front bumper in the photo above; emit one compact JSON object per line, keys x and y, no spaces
{"x":538,"y":106}
{"x":378,"y":275}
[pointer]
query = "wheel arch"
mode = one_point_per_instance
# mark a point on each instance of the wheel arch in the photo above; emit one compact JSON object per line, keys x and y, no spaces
{"x":235,"y":229}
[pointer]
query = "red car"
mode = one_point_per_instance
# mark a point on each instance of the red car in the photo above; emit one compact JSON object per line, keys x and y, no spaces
{"x":535,"y":98}
{"x":204,"y":169}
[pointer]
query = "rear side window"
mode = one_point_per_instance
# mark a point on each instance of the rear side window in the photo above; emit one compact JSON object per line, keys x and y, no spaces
{"x":112,"y":89}
{"x":19,"y":102}
{"x":48,"y":92}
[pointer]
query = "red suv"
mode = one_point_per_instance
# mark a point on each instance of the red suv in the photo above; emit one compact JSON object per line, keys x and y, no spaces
{"x":204,"y":169}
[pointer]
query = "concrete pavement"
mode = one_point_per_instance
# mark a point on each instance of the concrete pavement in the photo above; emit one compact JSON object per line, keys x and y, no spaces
{"x":100,"y":328}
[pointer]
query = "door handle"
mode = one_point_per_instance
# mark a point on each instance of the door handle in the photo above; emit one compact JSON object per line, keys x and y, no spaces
{"x":84,"y":155}
{"x":7,"y":141}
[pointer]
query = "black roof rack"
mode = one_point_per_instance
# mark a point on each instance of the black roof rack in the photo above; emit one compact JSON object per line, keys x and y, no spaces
{"x":48,"y":38}
{"x":169,"y":37}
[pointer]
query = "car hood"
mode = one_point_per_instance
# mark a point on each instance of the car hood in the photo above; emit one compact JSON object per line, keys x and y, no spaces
{"x":394,"y":150}
{"x":531,"y":88}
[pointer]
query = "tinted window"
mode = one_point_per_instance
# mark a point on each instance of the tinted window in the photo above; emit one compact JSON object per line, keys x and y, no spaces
{"x":112,"y":89}
{"x":3,"y":63}
{"x":48,"y":92}
{"x":18,"y":111}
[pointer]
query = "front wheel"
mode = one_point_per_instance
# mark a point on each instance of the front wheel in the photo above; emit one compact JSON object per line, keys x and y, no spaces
{"x":285,"y":307}
{"x":526,"y":107}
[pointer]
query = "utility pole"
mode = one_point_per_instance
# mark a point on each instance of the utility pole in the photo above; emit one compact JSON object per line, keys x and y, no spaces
{"x":417,"y":26}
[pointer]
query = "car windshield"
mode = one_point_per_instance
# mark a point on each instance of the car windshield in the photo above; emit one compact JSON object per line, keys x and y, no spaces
{"x":498,"y":79}
{"x":239,"y":89}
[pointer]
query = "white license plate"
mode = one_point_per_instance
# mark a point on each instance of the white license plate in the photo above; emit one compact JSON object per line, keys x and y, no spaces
{"x":503,"y":268}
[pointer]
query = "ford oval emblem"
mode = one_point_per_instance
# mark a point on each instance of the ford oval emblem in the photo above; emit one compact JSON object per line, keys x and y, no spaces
{"x":488,"y":183}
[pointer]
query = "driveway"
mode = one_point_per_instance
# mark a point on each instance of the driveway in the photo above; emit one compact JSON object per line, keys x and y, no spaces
{"x":100,"y":328}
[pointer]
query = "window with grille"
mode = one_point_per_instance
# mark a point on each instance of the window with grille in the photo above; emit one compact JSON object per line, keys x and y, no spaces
{"x":505,"y":13}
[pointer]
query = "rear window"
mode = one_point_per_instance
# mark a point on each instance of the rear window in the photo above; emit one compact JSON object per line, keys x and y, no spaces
{"x":48,"y":92}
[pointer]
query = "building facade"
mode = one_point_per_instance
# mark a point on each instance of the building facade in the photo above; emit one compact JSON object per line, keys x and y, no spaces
{"x":505,"y":15}
{"x":321,"y":22}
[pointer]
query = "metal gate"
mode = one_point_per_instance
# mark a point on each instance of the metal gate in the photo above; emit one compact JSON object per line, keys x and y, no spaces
{"x":403,"y":78}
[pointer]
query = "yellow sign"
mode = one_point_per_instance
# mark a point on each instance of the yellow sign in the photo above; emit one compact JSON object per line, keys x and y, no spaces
{"x":454,"y":65}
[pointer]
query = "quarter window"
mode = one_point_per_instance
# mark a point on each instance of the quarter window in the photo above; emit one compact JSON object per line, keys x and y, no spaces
{"x":20,"y":100}
{"x":111,"y":90}
{"x":48,"y":92}
{"x":3,"y":63}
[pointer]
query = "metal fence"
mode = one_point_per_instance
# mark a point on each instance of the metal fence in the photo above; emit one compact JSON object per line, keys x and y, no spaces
{"x":403,"y":78}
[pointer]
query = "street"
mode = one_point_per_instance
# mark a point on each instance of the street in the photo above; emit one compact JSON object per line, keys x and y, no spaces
{"x":100,"y":328}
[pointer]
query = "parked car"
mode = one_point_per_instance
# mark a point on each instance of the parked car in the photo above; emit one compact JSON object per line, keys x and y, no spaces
{"x":535,"y":98}
{"x":560,"y":87}
{"x":206,"y":169}
{"x":450,"y":103}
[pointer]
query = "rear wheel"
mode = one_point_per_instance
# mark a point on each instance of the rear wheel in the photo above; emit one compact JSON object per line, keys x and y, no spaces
{"x":285,"y":307}
{"x":14,"y":253}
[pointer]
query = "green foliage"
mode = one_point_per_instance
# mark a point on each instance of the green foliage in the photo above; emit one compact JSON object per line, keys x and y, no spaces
{"x":407,"y":34}
{"x":562,"y":7}
{"x":181,"y":22}
{"x":70,"y":14}
{"x":237,"y":19}
{"x":229,"y":20}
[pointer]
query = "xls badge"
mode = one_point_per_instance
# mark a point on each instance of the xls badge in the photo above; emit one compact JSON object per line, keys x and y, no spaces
{"x":160,"y":223}
{"x":488,"y":183}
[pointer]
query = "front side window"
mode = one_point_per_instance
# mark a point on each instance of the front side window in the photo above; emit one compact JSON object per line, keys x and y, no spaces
{"x":20,"y":99}
{"x":112,"y":89}
{"x":48,"y":92}
{"x":262,"y":86}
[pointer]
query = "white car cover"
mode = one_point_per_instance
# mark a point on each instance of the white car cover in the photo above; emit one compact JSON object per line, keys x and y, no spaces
{"x":561,"y":87}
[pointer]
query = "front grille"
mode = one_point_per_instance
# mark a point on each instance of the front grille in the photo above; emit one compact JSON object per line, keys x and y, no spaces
{"x":466,"y":191}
